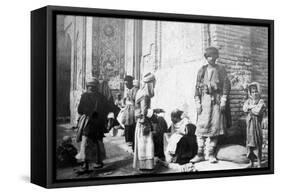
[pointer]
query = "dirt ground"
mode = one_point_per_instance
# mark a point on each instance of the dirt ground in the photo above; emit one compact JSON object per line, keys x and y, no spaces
{"x":119,"y":159}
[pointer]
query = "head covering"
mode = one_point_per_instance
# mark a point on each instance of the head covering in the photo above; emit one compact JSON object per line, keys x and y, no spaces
{"x":210,"y":51}
{"x":252,"y":85}
{"x":93,"y":81}
{"x":110,"y":115}
{"x":66,"y":140}
{"x":147,"y":88}
{"x":176,"y":113}
{"x":149,"y":77}
{"x":128,"y":78}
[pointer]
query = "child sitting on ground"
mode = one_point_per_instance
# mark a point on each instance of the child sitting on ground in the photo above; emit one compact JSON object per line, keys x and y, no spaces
{"x":66,"y":153}
{"x":254,"y":107}
{"x":182,"y":144}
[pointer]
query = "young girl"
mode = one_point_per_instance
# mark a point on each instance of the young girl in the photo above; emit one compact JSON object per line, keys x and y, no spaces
{"x":255,"y":108}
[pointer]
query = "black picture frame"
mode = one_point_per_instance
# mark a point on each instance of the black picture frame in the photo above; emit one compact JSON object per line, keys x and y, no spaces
{"x":43,"y":88}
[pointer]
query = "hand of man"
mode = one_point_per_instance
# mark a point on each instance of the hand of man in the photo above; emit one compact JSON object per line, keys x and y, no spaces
{"x":223,"y":102}
{"x":199,"y":109}
{"x":222,"y":108}
{"x":198,"y":105}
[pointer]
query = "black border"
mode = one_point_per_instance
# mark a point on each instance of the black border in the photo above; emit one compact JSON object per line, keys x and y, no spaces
{"x":52,"y":11}
{"x":38,"y":97}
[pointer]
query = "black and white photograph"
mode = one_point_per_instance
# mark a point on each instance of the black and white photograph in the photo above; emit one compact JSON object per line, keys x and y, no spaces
{"x":137,"y":97}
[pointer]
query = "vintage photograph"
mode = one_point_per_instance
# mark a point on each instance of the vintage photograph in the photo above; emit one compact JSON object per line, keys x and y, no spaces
{"x":137,"y":97}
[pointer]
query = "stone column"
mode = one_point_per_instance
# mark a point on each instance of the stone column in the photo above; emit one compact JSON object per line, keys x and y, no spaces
{"x":129,"y":46}
{"x":89,"y":47}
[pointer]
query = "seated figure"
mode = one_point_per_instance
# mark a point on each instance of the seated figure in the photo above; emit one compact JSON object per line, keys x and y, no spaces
{"x":65,"y":153}
{"x":181,"y":146}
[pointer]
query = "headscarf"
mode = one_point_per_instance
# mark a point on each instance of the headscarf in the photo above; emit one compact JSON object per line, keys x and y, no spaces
{"x":149,"y":77}
{"x":147,"y":88}
{"x":180,"y":126}
{"x":253,"y":84}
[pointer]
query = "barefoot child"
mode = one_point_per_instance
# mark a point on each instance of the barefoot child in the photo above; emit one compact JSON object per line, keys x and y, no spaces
{"x":255,"y":108}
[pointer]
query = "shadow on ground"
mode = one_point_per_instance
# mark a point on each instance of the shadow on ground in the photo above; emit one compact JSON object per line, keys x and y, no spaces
{"x":119,"y":161}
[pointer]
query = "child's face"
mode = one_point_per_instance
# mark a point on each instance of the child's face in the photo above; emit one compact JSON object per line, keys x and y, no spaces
{"x":175,"y":120}
{"x":212,"y":59}
{"x":254,"y":93}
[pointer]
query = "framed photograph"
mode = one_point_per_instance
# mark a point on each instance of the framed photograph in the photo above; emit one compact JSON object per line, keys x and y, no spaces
{"x":126,"y":96}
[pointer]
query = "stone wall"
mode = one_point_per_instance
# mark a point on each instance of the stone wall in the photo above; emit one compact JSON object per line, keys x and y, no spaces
{"x":97,"y":49}
{"x":75,"y":26}
{"x":63,"y":77}
{"x":259,"y":44}
{"x":243,"y":52}
{"x":174,"y":52}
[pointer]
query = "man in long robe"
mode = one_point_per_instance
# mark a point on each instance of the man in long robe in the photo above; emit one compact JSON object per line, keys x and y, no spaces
{"x":212,"y":103}
{"x":94,"y":107}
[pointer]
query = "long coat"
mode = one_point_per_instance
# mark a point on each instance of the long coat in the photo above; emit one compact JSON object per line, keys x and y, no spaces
{"x":211,"y":86}
{"x":129,"y":110}
{"x":95,"y":107}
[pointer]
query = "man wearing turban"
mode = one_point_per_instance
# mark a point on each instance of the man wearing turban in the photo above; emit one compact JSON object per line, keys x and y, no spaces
{"x":93,"y":110}
{"x":212,"y":103}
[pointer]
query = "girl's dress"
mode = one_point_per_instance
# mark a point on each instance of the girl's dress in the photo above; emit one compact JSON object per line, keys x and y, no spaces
{"x":255,"y":109}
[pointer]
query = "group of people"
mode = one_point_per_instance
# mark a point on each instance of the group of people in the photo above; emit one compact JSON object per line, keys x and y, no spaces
{"x":144,"y":128}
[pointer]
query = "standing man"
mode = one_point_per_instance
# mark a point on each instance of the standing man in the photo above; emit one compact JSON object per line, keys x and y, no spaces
{"x":93,"y":106}
{"x":213,"y":111}
{"x":129,"y":111}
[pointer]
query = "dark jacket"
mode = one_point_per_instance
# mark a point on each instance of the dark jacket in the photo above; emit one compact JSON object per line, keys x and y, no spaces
{"x":159,"y":127}
{"x":220,"y":84}
{"x":187,"y":146}
{"x":96,"y":108}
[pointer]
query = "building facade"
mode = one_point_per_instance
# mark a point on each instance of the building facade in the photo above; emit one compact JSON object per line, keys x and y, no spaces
{"x":111,"y":48}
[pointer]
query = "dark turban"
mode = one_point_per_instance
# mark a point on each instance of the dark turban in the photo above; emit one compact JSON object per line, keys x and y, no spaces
{"x":92,"y":82}
{"x":129,"y":78}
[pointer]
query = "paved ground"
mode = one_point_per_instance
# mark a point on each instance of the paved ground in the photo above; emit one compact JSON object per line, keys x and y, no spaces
{"x":119,"y":161}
